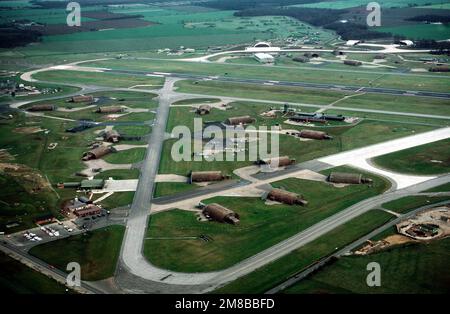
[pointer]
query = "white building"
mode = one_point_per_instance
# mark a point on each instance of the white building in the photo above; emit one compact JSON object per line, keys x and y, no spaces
{"x":406,"y":43}
{"x":264,"y":57}
{"x":352,"y":42}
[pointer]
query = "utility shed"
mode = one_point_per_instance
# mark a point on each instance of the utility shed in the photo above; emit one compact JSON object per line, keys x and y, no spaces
{"x":348,"y":178}
{"x":42,"y":108}
{"x":239,"y":120}
{"x":286,"y":197}
{"x":315,"y":135}
{"x":82,"y":98}
{"x":206,"y":176}
{"x":203,"y":109}
{"x":111,"y":136}
{"x":96,"y":153}
{"x":219,"y":213}
{"x":109,"y":109}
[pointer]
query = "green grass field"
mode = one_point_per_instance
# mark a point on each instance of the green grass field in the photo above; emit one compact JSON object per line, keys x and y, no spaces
{"x":433,"y":158}
{"x":169,"y":188}
{"x":420,"y":31}
{"x":261,"y":226}
{"x":268,"y":276}
{"x":409,"y":269}
{"x":408,"y":203}
{"x":441,"y":188}
{"x":96,"y":251}
{"x":118,"y":199}
{"x":129,"y":156}
{"x":98,"y":78}
{"x":19,"y":279}
{"x":354,"y":77}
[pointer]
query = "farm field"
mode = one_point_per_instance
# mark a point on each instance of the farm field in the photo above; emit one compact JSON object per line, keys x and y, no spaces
{"x":413,"y":268}
{"x":420,"y":31}
{"x":355,"y":3}
{"x":270,"y":275}
{"x":433,"y":158}
{"x":96,"y":251}
{"x":246,"y":239}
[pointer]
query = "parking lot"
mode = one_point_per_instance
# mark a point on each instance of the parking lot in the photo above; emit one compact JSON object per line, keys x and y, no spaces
{"x":58,"y":230}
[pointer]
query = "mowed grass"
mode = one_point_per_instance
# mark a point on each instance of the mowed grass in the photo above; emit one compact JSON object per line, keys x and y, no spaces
{"x":169,"y":188}
{"x":96,"y":251}
{"x":432,"y":158}
{"x":353,"y":78}
{"x":118,"y":199}
{"x":394,"y":103}
{"x":441,"y":188}
{"x":129,"y":156}
{"x":17,"y":278}
{"x":98,"y":78}
{"x":261,"y":226}
{"x":266,"y":277}
{"x":261,"y":92}
{"x":409,"y":269}
{"x":408,"y":203}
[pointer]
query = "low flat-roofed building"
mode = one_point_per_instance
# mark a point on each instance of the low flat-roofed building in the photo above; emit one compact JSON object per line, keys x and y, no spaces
{"x":264,"y":57}
{"x":88,"y":210}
